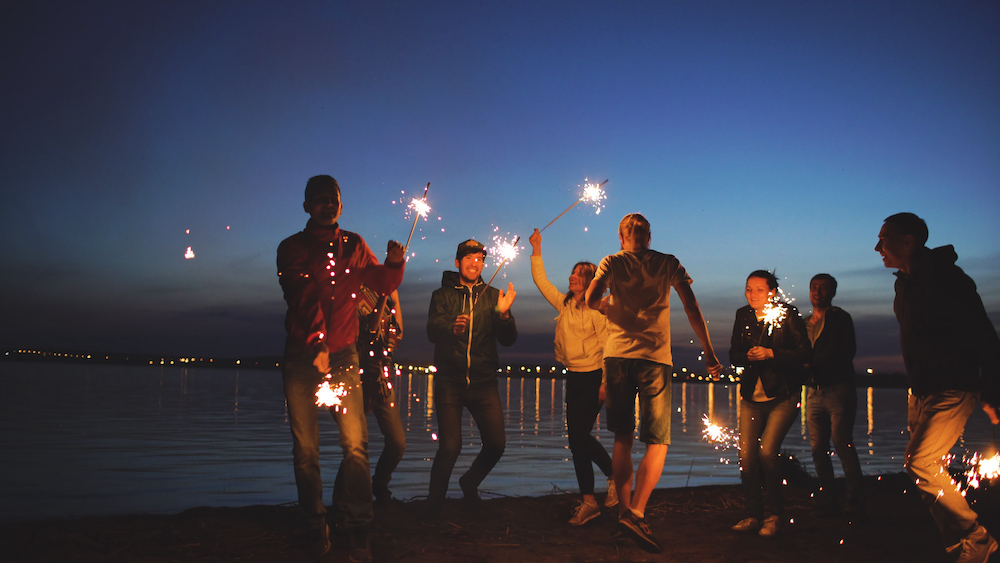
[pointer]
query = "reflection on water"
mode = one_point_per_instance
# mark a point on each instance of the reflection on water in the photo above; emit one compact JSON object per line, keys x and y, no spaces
{"x":81,"y":440}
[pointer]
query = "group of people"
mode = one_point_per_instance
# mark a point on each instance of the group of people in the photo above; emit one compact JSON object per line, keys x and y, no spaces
{"x":613,"y":336}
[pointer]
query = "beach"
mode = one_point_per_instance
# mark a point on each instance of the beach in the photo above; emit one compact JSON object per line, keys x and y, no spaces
{"x":691,"y":523}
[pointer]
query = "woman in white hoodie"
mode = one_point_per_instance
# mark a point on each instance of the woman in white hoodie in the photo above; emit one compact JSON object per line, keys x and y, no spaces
{"x":579,"y":346}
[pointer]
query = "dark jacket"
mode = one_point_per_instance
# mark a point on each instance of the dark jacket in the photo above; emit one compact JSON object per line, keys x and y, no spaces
{"x":321,"y":270}
{"x":833,"y":352}
{"x":784,"y":374}
{"x":474,"y":362}
{"x":947,"y":339}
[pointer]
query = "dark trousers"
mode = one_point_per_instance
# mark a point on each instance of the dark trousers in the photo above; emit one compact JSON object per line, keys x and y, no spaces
{"x":483,"y":404}
{"x":582,"y":407}
{"x":762,"y":429}
{"x":830,"y":413}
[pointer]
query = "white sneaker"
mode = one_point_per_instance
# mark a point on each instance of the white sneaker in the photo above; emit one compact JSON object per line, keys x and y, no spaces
{"x":747,"y":525}
{"x":611,"y":500}
{"x":771,"y":525}
{"x":974,"y":548}
{"x":584,"y":513}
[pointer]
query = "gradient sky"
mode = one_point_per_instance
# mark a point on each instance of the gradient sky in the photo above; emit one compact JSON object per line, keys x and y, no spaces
{"x":772,"y":135}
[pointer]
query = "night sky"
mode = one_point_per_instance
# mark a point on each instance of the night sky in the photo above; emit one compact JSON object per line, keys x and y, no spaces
{"x":773,"y":135}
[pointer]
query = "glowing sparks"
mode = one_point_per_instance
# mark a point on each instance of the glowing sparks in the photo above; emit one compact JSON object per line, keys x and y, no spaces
{"x":774,"y":313}
{"x":594,"y":195}
{"x":189,"y":254}
{"x":503,"y":249}
{"x":327,"y":396}
{"x":977,"y":469}
{"x":419,"y":206}
{"x":722,"y":437}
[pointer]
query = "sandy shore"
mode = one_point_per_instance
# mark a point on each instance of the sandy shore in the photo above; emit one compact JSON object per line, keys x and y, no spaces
{"x":692,"y":524}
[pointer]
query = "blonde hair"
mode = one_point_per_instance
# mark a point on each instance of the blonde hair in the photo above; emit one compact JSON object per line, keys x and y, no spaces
{"x":634,"y":227}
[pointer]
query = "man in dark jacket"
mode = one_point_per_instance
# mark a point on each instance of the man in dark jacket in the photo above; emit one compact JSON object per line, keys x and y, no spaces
{"x":952,"y":355}
{"x":465,"y":321}
{"x":832,"y":400}
{"x":321,"y":270}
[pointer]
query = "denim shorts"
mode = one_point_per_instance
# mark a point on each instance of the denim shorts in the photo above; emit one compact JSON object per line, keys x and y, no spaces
{"x":626,"y":377}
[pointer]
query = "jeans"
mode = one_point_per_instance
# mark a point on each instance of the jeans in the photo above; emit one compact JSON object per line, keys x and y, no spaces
{"x":830,"y":413}
{"x":582,"y":407}
{"x":352,"y":489}
{"x":762,"y":429}
{"x":936,"y":421}
{"x":386,"y":412}
{"x":484,"y":405}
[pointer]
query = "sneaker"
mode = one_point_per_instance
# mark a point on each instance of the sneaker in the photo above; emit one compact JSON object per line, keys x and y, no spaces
{"x":584,"y":513}
{"x":637,"y":529}
{"x":747,"y":525}
{"x":360,"y":550}
{"x":611,"y":500}
{"x":974,"y":548}
{"x":771,"y":525}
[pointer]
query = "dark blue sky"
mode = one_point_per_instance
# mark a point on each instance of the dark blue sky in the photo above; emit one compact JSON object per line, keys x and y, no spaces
{"x":770,"y":135}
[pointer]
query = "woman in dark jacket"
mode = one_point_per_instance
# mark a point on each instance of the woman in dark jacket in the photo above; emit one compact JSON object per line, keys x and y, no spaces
{"x":770,"y":344}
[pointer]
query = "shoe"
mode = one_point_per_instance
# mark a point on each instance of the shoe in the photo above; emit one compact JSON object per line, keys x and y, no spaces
{"x":611,"y":500}
{"x":974,"y":548}
{"x":747,"y":525}
{"x":771,"y":525}
{"x":585,"y":512}
{"x":319,"y":540}
{"x":637,"y":529}
{"x":360,"y":550}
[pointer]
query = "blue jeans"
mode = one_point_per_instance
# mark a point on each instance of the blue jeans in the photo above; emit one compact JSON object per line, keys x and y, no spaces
{"x":582,"y":407}
{"x":624,"y":378}
{"x":484,"y":406}
{"x":352,"y":490}
{"x":830,"y":413}
{"x":936,"y":421}
{"x":762,"y":429}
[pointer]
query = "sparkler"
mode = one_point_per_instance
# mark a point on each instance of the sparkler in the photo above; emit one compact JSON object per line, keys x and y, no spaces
{"x":774,"y":313}
{"x":327,"y":396}
{"x":420,"y":208}
{"x":506,"y":251}
{"x":721,"y":436}
{"x":979,"y":469}
{"x":592,"y":193}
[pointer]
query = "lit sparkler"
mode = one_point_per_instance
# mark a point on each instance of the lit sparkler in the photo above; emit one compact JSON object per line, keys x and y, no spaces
{"x":330,"y":396}
{"x":979,"y":469}
{"x":420,"y":209}
{"x":591,"y":193}
{"x":774,"y":313}
{"x":504,"y":250}
{"x":721,"y":436}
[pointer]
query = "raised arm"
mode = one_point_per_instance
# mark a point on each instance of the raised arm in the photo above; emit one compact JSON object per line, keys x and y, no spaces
{"x":698,"y":324}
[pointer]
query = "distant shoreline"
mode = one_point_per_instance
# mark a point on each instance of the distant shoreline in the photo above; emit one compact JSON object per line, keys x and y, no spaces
{"x":888,"y":380}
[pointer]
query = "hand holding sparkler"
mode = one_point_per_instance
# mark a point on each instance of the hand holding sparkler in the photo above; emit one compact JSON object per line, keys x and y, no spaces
{"x":394,"y":253}
{"x":592,"y":193}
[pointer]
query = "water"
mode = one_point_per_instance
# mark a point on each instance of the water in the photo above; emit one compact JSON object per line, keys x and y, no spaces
{"x":78,"y":440}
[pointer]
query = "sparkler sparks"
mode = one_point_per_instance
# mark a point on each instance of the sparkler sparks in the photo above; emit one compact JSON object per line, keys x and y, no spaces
{"x":327,"y":396}
{"x":978,"y":469}
{"x":592,"y":193}
{"x":723,"y":438}
{"x":420,"y":209}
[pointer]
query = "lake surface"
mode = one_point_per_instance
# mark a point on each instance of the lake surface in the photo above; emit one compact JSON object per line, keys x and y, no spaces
{"x":79,"y":440}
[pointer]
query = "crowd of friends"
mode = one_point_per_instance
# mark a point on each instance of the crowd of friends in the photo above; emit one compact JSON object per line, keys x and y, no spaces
{"x":612,"y":335}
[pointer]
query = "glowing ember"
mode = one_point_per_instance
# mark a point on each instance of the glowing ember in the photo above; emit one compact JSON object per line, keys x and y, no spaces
{"x":979,"y":469}
{"x":327,"y":396}
{"x":420,"y":207}
{"x":774,"y":314}
{"x":189,"y":254}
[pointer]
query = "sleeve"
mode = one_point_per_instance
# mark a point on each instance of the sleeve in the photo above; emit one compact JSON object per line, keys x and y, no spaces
{"x":383,"y":278}
{"x":549,"y":291}
{"x":794,"y":348}
{"x":301,"y":291}
{"x":440,"y":319}
{"x":987,"y":343}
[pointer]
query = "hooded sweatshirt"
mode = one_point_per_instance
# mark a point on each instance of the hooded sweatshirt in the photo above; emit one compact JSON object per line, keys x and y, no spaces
{"x":947,"y":339}
{"x":471,"y":362}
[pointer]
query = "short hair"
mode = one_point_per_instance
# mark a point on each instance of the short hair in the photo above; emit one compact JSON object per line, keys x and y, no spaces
{"x":321,"y":183}
{"x":772,"y":282}
{"x":825,"y":277}
{"x":909,"y":224}
{"x":589,"y":270}
{"x":634,"y":227}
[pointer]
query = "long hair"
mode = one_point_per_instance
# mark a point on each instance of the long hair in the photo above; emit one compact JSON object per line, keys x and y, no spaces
{"x":587,"y":270}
